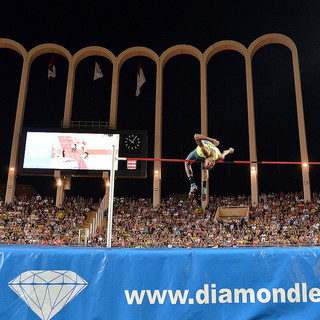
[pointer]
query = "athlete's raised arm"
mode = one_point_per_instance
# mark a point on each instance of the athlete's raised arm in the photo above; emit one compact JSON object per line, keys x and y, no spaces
{"x":199,"y":137}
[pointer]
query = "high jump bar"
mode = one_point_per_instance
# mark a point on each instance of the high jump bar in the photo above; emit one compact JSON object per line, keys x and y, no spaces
{"x":112,"y":175}
{"x":233,"y":162}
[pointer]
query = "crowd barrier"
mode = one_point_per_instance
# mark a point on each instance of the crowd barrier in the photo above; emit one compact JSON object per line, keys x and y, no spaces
{"x":110,"y":284}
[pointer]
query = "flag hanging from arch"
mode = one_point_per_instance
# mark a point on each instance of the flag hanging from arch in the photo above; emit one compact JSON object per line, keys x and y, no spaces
{"x":141,"y":79}
{"x":97,"y":72}
{"x":52,"y":67}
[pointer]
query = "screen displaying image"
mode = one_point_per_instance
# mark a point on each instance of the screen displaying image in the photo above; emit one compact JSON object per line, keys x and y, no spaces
{"x":76,"y":151}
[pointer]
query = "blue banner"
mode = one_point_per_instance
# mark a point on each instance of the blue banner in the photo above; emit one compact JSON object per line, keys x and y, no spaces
{"x":88,"y":283}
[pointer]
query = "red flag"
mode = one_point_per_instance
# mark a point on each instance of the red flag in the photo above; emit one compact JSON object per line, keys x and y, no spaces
{"x":52,"y":67}
{"x":140,"y":78}
{"x":131,"y":164}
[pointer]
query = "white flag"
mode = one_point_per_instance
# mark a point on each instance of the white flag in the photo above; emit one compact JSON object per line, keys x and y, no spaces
{"x":52,"y":68}
{"x":97,"y":72}
{"x":140,"y":78}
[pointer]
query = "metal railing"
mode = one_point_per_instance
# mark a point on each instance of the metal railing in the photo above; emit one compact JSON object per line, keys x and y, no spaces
{"x":97,"y":220}
{"x":88,"y":124}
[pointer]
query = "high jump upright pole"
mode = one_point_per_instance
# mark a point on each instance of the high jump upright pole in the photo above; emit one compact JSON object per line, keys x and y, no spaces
{"x":111,"y":193}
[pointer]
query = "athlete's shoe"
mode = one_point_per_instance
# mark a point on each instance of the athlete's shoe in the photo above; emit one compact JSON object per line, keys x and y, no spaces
{"x":193,"y":190}
{"x":203,"y":197}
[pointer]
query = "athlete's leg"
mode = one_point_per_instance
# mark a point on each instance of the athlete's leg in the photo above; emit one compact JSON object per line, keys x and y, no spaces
{"x":193,"y":186}
{"x":189,"y":172}
{"x":204,"y":182}
{"x":225,"y":153}
{"x":187,"y":166}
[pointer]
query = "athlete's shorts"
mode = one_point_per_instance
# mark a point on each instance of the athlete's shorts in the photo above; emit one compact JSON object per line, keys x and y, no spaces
{"x":193,"y":155}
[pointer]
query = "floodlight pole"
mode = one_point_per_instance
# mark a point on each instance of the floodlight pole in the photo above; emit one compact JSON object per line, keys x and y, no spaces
{"x":110,"y":206}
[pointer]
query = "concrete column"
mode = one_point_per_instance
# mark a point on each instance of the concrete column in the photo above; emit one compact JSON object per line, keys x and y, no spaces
{"x":252,"y":132}
{"x":69,"y":96}
{"x":60,"y":195}
{"x":204,"y":113}
{"x":60,"y":188}
{"x":11,"y":182}
{"x":158,"y":137}
{"x":114,"y":96}
{"x":301,"y":126}
{"x":254,"y":179}
{"x":67,"y":115}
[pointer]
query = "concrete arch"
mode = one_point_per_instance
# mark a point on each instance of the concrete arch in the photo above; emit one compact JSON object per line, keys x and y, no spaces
{"x":124,"y":56}
{"x":75,"y":60}
{"x":137,"y":51}
{"x":286,"y":41}
{"x":93,"y":51}
{"x":166,"y":55}
{"x":269,"y":39}
{"x":13,"y":45}
{"x":160,"y":61}
{"x":180,"y":49}
{"x":49,"y":48}
{"x":224,"y":45}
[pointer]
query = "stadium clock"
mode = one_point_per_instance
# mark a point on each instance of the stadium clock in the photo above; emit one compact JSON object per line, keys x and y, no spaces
{"x":132,"y":142}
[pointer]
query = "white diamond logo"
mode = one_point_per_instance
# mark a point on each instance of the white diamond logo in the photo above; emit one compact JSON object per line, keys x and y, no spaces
{"x":46,"y":292}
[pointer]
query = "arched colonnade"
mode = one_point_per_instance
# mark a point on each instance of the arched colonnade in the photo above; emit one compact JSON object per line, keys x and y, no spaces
{"x":160,"y":61}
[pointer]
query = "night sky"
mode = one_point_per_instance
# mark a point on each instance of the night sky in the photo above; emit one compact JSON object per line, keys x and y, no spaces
{"x":158,"y":26}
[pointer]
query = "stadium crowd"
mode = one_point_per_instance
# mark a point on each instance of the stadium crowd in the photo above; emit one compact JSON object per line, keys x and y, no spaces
{"x":38,"y":221}
{"x":278,"y":220}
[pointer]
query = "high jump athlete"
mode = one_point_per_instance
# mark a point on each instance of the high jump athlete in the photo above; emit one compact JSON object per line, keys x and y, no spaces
{"x":207,"y":153}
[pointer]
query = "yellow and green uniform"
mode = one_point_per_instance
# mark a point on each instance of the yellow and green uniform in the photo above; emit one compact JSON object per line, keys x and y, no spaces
{"x":210,"y":147}
{"x":197,"y":154}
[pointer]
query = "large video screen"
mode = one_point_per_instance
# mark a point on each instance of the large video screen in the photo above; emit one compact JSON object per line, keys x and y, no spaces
{"x":69,"y":151}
